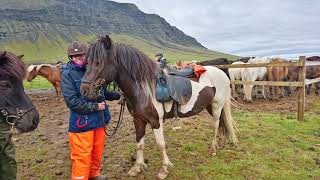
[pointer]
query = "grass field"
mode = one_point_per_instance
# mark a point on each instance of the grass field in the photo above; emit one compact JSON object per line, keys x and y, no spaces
{"x":38,"y":83}
{"x":44,"y":50}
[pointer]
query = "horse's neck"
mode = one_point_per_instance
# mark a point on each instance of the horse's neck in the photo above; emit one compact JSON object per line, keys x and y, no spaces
{"x":130,"y":88}
{"x":45,"y":72}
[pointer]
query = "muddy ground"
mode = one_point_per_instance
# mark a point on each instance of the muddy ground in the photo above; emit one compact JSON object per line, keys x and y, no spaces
{"x":44,"y":153}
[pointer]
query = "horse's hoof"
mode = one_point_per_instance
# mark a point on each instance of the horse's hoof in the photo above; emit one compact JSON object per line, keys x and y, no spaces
{"x":163,"y":173}
{"x":136,"y":169}
{"x":213,"y":151}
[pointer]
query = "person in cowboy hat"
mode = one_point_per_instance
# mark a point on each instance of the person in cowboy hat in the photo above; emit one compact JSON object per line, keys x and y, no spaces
{"x":87,"y":117}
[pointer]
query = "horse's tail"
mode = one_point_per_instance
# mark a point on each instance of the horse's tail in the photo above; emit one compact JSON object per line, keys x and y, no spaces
{"x":229,"y":126}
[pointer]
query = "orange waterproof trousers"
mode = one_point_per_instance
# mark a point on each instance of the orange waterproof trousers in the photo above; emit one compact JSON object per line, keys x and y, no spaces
{"x":86,"y":153}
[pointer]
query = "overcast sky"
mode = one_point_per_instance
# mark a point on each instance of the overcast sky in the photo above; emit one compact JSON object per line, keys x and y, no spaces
{"x":244,"y":27}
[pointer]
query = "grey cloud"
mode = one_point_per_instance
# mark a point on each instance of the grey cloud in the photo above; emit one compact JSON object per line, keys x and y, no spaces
{"x":244,"y":27}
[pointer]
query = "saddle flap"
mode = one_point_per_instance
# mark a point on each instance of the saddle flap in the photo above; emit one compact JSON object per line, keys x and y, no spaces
{"x":180,"y":88}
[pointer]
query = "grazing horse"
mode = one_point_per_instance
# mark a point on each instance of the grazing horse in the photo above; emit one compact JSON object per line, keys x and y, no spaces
{"x":276,"y":74}
{"x":135,"y":75}
{"x":16,"y":107}
{"x":48,"y":71}
{"x":254,"y":74}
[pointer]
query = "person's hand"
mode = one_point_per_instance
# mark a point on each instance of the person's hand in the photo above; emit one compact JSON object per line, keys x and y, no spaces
{"x":117,"y":96}
{"x":101,"y":106}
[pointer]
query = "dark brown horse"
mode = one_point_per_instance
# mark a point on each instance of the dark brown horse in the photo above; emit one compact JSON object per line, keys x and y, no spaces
{"x":312,"y":71}
{"x":276,"y":74}
{"x":135,"y":75}
{"x":16,"y":109}
{"x":48,"y":71}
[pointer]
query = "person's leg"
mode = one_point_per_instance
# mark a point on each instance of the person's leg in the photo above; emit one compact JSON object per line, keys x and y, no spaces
{"x":97,"y":152}
{"x":8,"y":165}
{"x":81,"y":145}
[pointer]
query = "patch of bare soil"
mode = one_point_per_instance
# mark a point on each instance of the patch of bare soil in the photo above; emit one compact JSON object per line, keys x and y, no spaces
{"x":45,"y":152}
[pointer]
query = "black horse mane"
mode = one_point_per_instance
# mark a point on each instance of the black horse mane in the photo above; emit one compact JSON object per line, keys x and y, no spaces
{"x":11,"y":66}
{"x":132,"y":61}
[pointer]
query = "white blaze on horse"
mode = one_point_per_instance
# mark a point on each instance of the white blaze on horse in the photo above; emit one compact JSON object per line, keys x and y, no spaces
{"x":135,"y":74}
{"x":48,"y":71}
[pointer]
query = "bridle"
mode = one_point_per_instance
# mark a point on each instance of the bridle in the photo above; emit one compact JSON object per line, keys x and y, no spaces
{"x":15,"y":117}
{"x":97,"y":87}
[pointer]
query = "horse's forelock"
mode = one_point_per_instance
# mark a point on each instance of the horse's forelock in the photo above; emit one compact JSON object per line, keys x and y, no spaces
{"x":13,"y":67}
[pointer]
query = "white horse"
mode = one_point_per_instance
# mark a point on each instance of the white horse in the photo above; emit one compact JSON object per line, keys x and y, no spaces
{"x":254,"y":74}
{"x":235,"y":74}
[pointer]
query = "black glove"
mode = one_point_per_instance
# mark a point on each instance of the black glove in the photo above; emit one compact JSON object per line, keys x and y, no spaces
{"x":116,"y":96}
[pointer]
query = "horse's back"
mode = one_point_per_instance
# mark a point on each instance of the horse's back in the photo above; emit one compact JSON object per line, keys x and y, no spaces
{"x":215,"y":77}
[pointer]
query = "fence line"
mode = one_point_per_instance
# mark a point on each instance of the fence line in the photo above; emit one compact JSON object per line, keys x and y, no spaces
{"x":302,"y":81}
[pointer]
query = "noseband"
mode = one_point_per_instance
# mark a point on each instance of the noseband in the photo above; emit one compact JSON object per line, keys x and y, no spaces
{"x":15,"y":117}
{"x":97,"y":87}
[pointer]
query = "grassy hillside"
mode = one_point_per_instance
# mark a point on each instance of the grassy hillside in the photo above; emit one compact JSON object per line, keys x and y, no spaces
{"x":44,"y":50}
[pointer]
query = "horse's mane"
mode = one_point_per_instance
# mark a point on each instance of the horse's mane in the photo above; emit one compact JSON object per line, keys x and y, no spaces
{"x":31,"y":67}
{"x":12,"y":65}
{"x":43,"y":65}
{"x":142,"y":69}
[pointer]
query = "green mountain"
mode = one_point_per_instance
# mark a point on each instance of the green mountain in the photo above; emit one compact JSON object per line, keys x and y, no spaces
{"x":41,"y":29}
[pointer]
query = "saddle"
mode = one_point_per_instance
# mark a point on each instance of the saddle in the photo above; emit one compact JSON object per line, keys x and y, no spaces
{"x":172,"y":87}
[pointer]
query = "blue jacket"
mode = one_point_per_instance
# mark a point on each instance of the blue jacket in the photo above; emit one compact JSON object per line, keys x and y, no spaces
{"x":84,"y":114}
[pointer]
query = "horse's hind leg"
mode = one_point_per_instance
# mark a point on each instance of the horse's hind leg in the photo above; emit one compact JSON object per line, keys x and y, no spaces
{"x":140,"y":127}
{"x":215,"y":112}
{"x":158,"y":133}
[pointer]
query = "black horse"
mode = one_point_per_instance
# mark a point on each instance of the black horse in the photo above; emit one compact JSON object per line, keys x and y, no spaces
{"x":16,"y":109}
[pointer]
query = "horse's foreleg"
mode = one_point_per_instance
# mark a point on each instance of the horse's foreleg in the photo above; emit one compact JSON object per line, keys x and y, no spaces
{"x":140,"y":127}
{"x":158,"y":133}
{"x":263,"y":93}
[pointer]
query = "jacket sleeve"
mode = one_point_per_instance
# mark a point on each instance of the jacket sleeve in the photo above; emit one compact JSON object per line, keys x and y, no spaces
{"x":111,"y":95}
{"x":72,"y":97}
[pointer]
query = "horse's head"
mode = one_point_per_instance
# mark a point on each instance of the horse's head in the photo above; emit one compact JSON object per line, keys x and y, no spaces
{"x":101,"y":67}
{"x":32,"y":72}
{"x":16,"y":108}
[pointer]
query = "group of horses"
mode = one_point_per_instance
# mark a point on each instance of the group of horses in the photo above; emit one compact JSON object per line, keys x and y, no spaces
{"x":264,"y":74}
{"x":134,"y":73}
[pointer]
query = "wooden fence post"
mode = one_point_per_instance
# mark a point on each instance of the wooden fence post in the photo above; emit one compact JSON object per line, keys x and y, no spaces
{"x":301,"y":89}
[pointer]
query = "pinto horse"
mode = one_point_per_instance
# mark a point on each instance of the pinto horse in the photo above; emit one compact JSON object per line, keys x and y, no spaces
{"x":48,"y":71}
{"x":276,"y":74}
{"x":135,"y":75}
{"x":16,"y":109}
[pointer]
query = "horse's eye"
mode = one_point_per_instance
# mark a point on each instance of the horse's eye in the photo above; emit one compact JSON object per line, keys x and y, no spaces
{"x":97,"y":63}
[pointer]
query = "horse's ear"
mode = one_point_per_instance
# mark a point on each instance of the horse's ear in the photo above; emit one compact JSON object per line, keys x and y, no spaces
{"x":107,"y":42}
{"x":3,"y":54}
{"x":3,"y":58}
{"x":20,"y":56}
{"x":178,"y":63}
